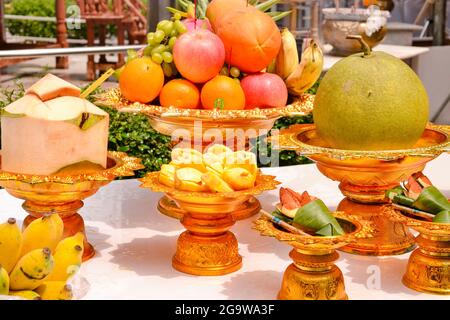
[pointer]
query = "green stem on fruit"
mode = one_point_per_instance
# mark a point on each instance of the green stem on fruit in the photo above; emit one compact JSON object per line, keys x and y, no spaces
{"x":364,"y":46}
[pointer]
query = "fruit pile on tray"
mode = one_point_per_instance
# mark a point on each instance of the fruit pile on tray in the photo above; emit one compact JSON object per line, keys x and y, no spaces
{"x":219,"y":169}
{"x":220,"y":54}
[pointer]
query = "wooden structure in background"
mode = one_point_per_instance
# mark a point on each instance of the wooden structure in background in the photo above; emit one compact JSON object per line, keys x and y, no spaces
{"x":61,"y":35}
{"x":125,"y":15}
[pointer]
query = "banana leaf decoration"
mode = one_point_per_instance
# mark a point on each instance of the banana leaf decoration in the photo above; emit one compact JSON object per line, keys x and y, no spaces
{"x":442,"y":217}
{"x":432,"y":200}
{"x":317,"y":217}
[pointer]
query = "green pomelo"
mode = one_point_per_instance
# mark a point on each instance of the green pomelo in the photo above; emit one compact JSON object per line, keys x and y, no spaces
{"x":371,"y":102}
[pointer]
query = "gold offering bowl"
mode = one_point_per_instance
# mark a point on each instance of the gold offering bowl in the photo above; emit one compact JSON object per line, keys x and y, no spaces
{"x":364,"y":178}
{"x":313,"y":274}
{"x":428,"y":267}
{"x":63,"y":194}
{"x":207,"y":248}
{"x":339,"y":23}
{"x":233,"y":128}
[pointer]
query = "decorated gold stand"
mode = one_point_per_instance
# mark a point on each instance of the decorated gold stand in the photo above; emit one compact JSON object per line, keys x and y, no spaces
{"x":428,"y":267}
{"x":313,"y":274}
{"x":203,"y":127}
{"x":63,"y":194}
{"x":364,"y":178}
{"x":207,"y":248}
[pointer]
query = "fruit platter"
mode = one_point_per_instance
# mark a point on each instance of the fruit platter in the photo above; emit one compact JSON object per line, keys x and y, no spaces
{"x":421,"y":206}
{"x":356,"y":113}
{"x":305,"y":222}
{"x":223,"y":64}
{"x":209,"y":187}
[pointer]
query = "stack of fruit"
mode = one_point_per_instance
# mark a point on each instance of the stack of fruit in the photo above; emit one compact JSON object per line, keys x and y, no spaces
{"x":37,"y":263}
{"x":219,"y":169}
{"x":223,"y":54}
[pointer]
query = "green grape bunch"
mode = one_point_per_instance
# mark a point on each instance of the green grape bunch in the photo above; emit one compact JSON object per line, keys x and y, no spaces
{"x":161,"y":43}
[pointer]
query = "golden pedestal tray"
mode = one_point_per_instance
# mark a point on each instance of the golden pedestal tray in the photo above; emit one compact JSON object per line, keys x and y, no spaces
{"x":313,"y":274}
{"x":428,"y":267}
{"x":63,"y":194}
{"x":207,"y":248}
{"x":203,"y":127}
{"x":364,"y":178}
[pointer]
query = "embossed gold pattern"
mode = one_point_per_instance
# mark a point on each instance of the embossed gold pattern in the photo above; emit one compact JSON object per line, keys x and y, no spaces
{"x":63,"y":194}
{"x":113,"y":98}
{"x":428,"y":267}
{"x":313,"y":274}
{"x":365,"y":176}
{"x":207,"y":248}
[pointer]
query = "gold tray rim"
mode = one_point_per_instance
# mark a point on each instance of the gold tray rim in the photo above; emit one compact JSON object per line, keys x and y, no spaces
{"x":288,"y":140}
{"x":417,"y":224}
{"x":124,"y":166}
{"x":364,"y":229}
{"x":113,"y":98}
{"x":263,"y":183}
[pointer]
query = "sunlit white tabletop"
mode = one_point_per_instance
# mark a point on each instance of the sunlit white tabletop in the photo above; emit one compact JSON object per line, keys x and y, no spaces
{"x":135,"y":244}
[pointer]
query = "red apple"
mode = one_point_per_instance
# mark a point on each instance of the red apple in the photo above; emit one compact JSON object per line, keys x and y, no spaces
{"x":264,"y":90}
{"x":191,"y":24}
{"x":199,"y":55}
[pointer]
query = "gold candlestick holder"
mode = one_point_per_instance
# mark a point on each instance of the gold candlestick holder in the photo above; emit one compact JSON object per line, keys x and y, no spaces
{"x":313,"y":274}
{"x":208,"y":248}
{"x":365,"y":176}
{"x":204,"y":127}
{"x":63,"y":194}
{"x":428,"y":267}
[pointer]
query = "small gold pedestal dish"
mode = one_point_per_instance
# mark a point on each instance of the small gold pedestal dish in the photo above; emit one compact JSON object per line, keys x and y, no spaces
{"x":364,"y":178}
{"x":313,"y":274}
{"x":428,"y":267}
{"x":63,"y":194}
{"x":207,"y":248}
{"x":233,"y":128}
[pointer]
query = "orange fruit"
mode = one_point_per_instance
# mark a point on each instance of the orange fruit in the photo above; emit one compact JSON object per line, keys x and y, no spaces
{"x":224,"y":93}
{"x":181,"y":94}
{"x":141,"y":80}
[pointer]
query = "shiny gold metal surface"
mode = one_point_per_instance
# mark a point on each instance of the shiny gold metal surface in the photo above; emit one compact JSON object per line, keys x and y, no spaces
{"x":313,"y":274}
{"x":207,"y":248}
{"x":428,"y":267}
{"x":365,"y":176}
{"x":63,"y":194}
{"x":168,"y":120}
{"x":246,"y":210}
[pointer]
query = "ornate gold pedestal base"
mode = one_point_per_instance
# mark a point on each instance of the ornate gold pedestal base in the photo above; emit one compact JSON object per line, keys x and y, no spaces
{"x":390,"y":238}
{"x":73,"y":222}
{"x":207,"y":248}
{"x":246,"y":210}
{"x":207,"y":256}
{"x":429,"y":266}
{"x":313,"y":277}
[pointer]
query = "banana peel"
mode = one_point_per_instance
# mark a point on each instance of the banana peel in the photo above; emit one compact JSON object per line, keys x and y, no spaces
{"x":287,"y":59}
{"x":307,"y":72}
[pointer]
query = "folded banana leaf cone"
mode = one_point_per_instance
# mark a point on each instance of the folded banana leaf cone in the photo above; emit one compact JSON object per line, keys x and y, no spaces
{"x":422,"y":197}
{"x":307,"y":213}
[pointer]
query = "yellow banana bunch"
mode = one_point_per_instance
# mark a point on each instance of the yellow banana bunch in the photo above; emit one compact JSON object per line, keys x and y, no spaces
{"x":45,"y":232}
{"x":10,"y":244}
{"x":4,"y":281}
{"x":31,"y":270}
{"x":27,"y":267}
{"x":68,"y":256}
{"x":308,"y":71}
{"x":287,"y":59}
{"x":26,"y":294}
{"x":55,"y":290}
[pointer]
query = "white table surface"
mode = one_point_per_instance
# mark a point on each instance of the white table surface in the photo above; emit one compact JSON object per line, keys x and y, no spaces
{"x":135,"y":244}
{"x":401,"y":52}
